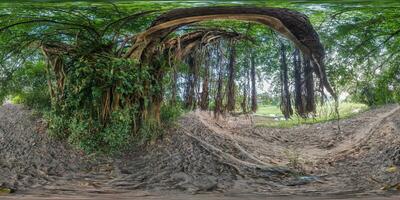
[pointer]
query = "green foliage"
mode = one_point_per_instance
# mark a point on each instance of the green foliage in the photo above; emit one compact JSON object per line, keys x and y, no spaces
{"x":85,"y":89}
{"x":98,"y":97}
{"x":295,"y":162}
{"x":91,"y":136}
{"x":269,"y":110}
{"x":119,"y":132}
{"x":388,"y":86}
{"x":149,"y":131}
{"x":79,"y":118}
{"x":266,"y":99}
{"x":385,"y":90}
{"x":106,"y":98}
{"x":57,"y":124}
{"x":27,"y":85}
{"x":366,"y":94}
{"x":270,"y":115}
{"x":170,"y":113}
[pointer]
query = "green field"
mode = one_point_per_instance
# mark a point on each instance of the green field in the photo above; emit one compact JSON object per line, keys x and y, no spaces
{"x":271,"y":116}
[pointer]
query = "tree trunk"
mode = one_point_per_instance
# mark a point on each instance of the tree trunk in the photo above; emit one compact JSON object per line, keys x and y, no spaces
{"x":253,"y":84}
{"x":246,"y":87}
{"x":204,"y":101}
{"x":218,"y":97}
{"x":231,"y":80}
{"x":174,"y":85}
{"x":298,"y":88}
{"x":309,"y":85}
{"x":157,"y":92}
{"x":286,"y":106}
{"x":190,"y":102}
{"x":243,"y":104}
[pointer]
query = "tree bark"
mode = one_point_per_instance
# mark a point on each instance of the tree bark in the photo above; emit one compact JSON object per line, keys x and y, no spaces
{"x":292,"y":24}
{"x":246,"y":87}
{"x":253,"y":84}
{"x":231,"y":101}
{"x":174,"y":85}
{"x":298,"y":86}
{"x":204,"y":101}
{"x":218,"y":97}
{"x":157,"y":92}
{"x":309,"y":85}
{"x":191,"y":83}
{"x":286,"y":106}
{"x":243,"y":104}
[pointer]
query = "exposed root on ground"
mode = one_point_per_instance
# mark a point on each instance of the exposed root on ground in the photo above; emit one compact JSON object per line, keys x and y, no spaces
{"x":362,"y":136}
{"x":239,"y":165}
{"x":203,"y":154}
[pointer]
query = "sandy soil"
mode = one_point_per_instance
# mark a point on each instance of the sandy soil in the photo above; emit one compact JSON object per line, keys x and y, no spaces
{"x":206,"y":158}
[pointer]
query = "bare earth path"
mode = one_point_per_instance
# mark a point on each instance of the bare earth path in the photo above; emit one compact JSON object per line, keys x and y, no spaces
{"x":204,"y":158}
{"x":360,"y":135}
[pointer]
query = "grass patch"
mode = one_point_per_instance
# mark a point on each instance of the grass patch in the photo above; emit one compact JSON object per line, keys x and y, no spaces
{"x":269,"y":111}
{"x":271,"y":116}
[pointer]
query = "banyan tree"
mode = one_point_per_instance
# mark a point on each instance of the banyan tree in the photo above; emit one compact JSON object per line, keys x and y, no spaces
{"x":138,"y":63}
{"x":293,"y":25}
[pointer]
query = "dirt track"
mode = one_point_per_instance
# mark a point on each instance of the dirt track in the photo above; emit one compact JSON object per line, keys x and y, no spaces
{"x":221,"y":159}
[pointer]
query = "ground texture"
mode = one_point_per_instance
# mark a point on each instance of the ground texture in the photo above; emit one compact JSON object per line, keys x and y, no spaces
{"x":210,"y":158}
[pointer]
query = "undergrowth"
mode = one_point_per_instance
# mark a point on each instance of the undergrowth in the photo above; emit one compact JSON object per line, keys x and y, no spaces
{"x":295,"y":162}
{"x":270,"y":116}
{"x":89,"y":135}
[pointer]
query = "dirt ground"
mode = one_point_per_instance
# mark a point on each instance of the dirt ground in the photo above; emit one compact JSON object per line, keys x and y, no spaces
{"x":203,"y":157}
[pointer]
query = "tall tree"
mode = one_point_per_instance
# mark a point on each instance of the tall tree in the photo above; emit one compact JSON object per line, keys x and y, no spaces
{"x":298,"y":84}
{"x":309,"y":85}
{"x":192,"y":78}
{"x":174,"y":84}
{"x":253,"y":83}
{"x":219,"y":97}
{"x":231,"y":101}
{"x":286,"y":105}
{"x":243,"y":104}
{"x":204,"y":99}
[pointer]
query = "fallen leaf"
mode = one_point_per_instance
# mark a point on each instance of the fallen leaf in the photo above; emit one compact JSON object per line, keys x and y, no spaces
{"x":391,"y":187}
{"x":6,"y":190}
{"x":391,"y":169}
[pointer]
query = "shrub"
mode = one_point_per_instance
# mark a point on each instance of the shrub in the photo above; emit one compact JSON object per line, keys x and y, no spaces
{"x":28,"y":86}
{"x":118,"y":134}
{"x":149,"y":131}
{"x":57,"y":124}
{"x":170,"y":113}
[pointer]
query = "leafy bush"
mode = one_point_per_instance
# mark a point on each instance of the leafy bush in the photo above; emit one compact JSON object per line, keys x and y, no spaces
{"x":149,"y":131}
{"x":89,"y":134}
{"x":118,"y":134}
{"x":99,"y":108}
{"x":28,"y":86}
{"x":388,"y":86}
{"x":57,"y":124}
{"x":170,"y":113}
{"x":386,"y":89}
